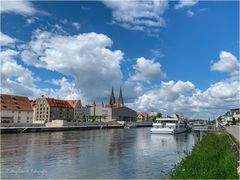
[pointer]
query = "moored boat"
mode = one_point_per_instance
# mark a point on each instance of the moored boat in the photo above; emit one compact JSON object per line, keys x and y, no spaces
{"x":169,"y":125}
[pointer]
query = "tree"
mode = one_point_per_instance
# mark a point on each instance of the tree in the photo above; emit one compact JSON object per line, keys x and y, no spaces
{"x":219,"y":118}
{"x":159,"y":115}
{"x":234,"y":121}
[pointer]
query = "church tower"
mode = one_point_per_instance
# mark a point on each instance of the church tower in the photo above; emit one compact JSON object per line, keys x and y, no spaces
{"x":112,"y":98}
{"x":120,"y":98}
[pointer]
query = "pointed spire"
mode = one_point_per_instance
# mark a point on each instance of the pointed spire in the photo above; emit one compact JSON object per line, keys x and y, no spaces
{"x":120,"y":98}
{"x":112,"y":98}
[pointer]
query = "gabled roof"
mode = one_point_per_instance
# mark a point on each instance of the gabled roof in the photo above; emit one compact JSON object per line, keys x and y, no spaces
{"x":144,"y":114}
{"x":12,"y":102}
{"x":58,"y":103}
{"x":74,"y":103}
{"x":34,"y":102}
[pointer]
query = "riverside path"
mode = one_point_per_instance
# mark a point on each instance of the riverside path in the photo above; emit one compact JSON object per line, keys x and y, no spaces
{"x":234,"y":130}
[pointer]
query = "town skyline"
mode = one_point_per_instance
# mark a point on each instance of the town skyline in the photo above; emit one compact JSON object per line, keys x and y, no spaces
{"x":187,"y":64}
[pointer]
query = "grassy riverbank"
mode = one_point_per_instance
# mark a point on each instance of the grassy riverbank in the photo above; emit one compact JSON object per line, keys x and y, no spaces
{"x":212,"y":158}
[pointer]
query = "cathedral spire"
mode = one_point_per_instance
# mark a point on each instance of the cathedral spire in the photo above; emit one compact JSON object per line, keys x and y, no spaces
{"x":112,"y":98}
{"x":120,"y":98}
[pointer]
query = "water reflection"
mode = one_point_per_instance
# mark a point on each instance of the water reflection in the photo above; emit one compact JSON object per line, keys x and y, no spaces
{"x":112,"y":153}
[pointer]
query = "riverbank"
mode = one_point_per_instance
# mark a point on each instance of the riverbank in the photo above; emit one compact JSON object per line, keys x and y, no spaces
{"x":212,"y":158}
{"x":88,"y":126}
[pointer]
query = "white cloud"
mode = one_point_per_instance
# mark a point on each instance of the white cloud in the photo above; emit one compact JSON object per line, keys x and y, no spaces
{"x":15,"y":78}
{"x":5,"y":40}
{"x":138,"y":15}
{"x":147,"y":70}
{"x":185,"y":3}
{"x":31,"y":58}
{"x":22,"y":7}
{"x":162,"y":97}
{"x":224,"y":90}
{"x":227,"y":63}
{"x":67,"y":90}
{"x":157,"y":53}
{"x":184,"y":97}
{"x":76,"y":25}
{"x":30,"y":21}
{"x":190,"y":13}
{"x":86,"y":57}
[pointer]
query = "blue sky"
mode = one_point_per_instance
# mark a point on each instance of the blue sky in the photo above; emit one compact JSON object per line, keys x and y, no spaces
{"x":169,"y":56}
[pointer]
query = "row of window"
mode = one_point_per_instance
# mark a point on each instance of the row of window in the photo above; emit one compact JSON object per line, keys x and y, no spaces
{"x":20,"y":121}
{"x":19,"y":112}
{"x":19,"y":118}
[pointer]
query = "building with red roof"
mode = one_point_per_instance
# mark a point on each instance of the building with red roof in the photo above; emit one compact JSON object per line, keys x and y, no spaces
{"x":15,"y":109}
{"x":48,"y":109}
{"x":142,"y":116}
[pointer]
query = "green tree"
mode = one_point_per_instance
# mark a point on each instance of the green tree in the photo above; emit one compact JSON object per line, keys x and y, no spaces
{"x":219,"y":118}
{"x":159,"y":115}
{"x":234,"y":121}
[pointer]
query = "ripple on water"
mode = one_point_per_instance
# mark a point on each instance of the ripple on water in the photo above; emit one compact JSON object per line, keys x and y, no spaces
{"x":113,"y":153}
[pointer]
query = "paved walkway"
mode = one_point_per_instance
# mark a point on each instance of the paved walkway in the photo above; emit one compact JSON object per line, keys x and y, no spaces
{"x":234,"y":130}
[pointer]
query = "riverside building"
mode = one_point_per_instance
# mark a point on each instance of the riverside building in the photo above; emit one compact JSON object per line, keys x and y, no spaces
{"x":81,"y":113}
{"x":48,"y":109}
{"x":113,"y":111}
{"x":15,"y":110}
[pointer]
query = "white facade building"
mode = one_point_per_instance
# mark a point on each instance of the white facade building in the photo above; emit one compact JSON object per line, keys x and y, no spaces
{"x":15,"y":109}
{"x":101,"y":113}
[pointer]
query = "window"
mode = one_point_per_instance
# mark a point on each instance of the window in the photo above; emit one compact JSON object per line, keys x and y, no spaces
{"x":12,"y":111}
{"x":19,"y":112}
{"x":19,"y":118}
{"x":27,"y":118}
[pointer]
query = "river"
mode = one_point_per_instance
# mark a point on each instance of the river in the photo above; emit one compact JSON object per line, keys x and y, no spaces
{"x":106,"y":154}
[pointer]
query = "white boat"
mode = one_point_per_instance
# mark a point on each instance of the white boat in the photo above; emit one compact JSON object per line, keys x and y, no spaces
{"x":169,"y":125}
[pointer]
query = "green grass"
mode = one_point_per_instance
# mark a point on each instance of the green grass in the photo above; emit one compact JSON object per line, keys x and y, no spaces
{"x":212,"y":158}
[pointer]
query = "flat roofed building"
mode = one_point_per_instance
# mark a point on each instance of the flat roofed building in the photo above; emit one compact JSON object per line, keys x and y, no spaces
{"x":15,"y":109}
{"x":124,"y":114}
{"x":101,"y":113}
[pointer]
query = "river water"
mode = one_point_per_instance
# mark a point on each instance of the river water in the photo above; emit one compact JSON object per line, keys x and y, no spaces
{"x":106,"y":154}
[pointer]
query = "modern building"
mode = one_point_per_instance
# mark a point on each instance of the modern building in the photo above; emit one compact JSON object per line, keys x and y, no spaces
{"x":123,"y":114}
{"x":15,"y":109}
{"x":100,"y":113}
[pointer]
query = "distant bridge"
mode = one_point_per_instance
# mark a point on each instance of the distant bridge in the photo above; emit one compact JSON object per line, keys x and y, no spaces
{"x":200,"y":127}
